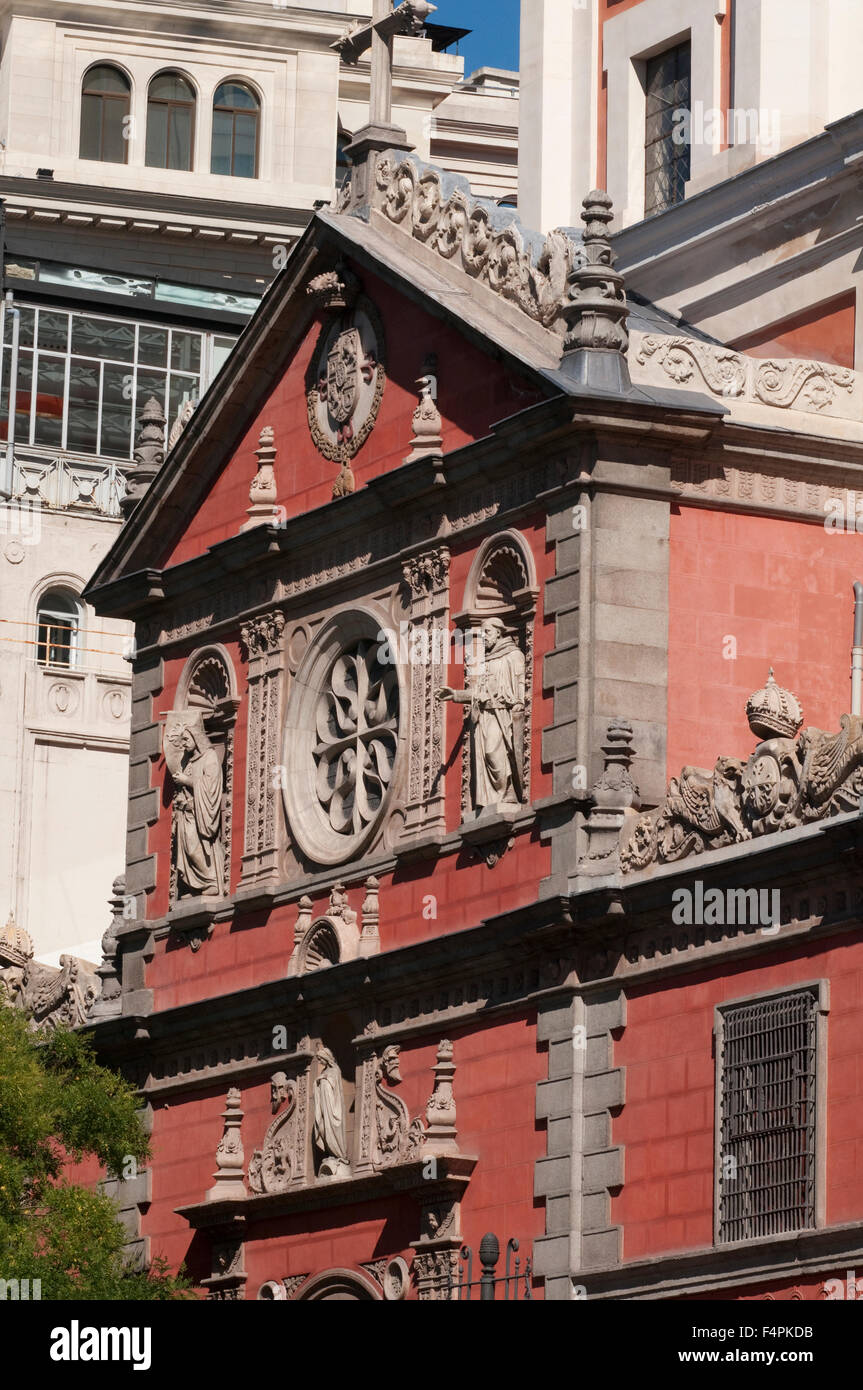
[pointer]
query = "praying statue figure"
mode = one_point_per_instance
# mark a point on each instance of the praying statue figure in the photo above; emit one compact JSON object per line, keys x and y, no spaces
{"x":329,"y":1127}
{"x":496,"y":700}
{"x":197,"y":774}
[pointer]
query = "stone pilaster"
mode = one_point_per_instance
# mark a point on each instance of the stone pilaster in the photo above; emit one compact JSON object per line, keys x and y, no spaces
{"x":426,"y":578}
{"x":261,"y":642}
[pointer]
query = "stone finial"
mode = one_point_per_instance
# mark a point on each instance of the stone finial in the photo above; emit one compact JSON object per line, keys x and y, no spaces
{"x":773,"y":711}
{"x":262,"y":489}
{"x":595,"y":310}
{"x":335,"y":289}
{"x":440,"y":1135}
{"x":149,"y":454}
{"x":615,"y":787}
{"x":427,"y":441}
{"x":109,"y":1002}
{"x":370,"y":913}
{"x":230,"y":1159}
{"x":304,"y":919}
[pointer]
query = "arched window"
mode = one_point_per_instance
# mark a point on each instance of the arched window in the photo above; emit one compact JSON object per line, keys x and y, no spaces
{"x":58,"y":623}
{"x":170,"y":122}
{"x":105,"y":98}
{"x":236,"y":115}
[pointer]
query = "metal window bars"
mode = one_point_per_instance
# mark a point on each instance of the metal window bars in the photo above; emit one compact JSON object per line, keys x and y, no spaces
{"x":767,"y":1134}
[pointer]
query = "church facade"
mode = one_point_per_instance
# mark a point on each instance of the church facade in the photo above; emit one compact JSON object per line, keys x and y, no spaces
{"x":426,"y":955}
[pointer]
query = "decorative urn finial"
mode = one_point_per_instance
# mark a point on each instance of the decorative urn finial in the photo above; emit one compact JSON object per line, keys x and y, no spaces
{"x":16,"y":945}
{"x":774,"y":711}
{"x":595,"y":309}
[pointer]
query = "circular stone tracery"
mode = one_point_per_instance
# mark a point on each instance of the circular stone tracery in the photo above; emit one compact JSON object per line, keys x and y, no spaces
{"x":342,"y":742}
{"x":357,"y":727}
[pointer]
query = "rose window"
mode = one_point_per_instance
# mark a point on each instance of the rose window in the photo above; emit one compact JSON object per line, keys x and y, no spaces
{"x":357,"y":732}
{"x":342,"y":738}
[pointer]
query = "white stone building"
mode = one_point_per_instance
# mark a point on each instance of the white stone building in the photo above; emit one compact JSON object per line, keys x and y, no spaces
{"x":728,"y":134}
{"x":155,"y":162}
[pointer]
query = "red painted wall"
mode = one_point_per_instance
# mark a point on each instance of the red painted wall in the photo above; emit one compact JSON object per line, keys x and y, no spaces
{"x":667,"y":1122}
{"x":498,"y":1066}
{"x":825,"y":333}
{"x":474,"y":392}
{"x":782,"y":589}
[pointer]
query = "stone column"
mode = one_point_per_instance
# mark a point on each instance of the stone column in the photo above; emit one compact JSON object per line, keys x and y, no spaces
{"x":261,"y":644}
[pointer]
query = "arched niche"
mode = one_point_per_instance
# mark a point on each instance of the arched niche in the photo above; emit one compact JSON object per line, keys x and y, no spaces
{"x":502,"y":583}
{"x":208,"y":685}
{"x":345,"y":1284}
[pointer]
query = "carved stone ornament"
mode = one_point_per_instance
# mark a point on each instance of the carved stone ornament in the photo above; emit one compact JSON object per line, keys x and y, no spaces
{"x":494,"y":703}
{"x":345,"y":386}
{"x":109,"y":1002}
{"x":329,"y":1134}
{"x":397,"y":1138}
{"x":342,"y":740}
{"x":230,"y":1160}
{"x":427,"y":441}
{"x":191,"y":759}
{"x":595,"y":309}
{"x":335,"y":289}
{"x":274,"y":1166}
{"x":787,"y":383}
{"x":441,"y":1136}
{"x":51,"y":997}
{"x":488,"y":243}
{"x":786,"y":782}
{"x":335,"y":937}
{"x":262,"y":509}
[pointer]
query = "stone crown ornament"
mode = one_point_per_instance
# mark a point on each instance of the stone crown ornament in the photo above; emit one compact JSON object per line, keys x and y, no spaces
{"x":773,"y":711}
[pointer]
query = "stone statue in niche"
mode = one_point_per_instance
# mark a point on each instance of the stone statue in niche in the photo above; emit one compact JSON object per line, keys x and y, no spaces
{"x":197,"y":773}
{"x":496,"y":717}
{"x":328,"y":1132}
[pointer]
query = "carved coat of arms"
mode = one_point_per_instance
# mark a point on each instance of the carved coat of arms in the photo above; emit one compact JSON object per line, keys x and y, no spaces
{"x":345,"y":386}
{"x":343,"y":375}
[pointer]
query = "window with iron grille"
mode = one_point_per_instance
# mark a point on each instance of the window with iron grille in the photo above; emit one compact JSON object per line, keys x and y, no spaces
{"x":666,"y":133}
{"x":766,"y":1056}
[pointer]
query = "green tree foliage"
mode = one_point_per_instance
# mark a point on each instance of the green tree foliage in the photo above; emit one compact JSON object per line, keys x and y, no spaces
{"x":57,"y":1105}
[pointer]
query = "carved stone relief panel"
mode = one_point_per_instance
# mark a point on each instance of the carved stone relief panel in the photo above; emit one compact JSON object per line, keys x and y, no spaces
{"x":261,"y":645}
{"x":426,"y":581}
{"x":345,"y":385}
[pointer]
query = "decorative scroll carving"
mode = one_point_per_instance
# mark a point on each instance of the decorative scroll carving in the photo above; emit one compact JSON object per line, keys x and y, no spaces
{"x":329,"y":1134}
{"x":787,"y":383}
{"x":721,"y":369}
{"x":274,"y":1167}
{"x":426,"y":579}
{"x":804,"y":385}
{"x":230,"y":1160}
{"x":786,"y":782}
{"x":345,"y":386}
{"x":488,"y":244}
{"x":397,"y":1137}
{"x":261,"y":646}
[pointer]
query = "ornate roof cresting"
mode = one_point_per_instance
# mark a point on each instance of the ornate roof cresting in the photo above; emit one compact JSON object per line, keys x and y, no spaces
{"x":786,"y":782}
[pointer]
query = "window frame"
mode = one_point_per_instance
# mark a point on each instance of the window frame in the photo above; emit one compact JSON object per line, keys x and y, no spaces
{"x":820,"y":991}
{"x":103,"y":97}
{"x":234,"y":112}
{"x":171,"y":103}
{"x":59,"y":591}
{"x":685,"y":148}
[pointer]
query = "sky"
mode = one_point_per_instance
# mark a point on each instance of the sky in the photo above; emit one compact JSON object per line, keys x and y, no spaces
{"x":494,"y":40}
